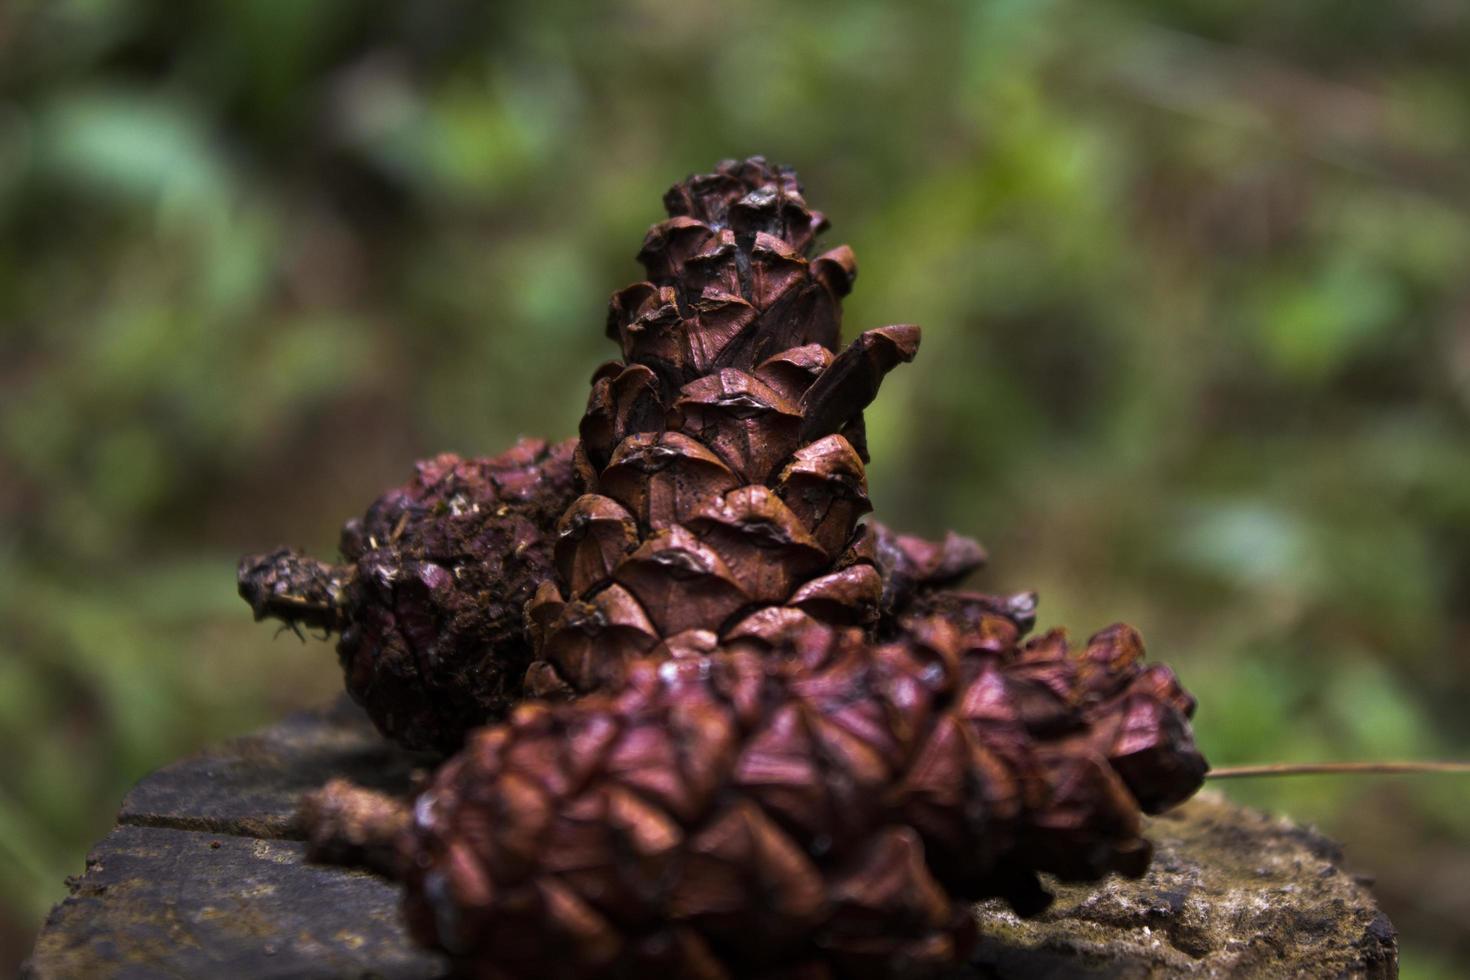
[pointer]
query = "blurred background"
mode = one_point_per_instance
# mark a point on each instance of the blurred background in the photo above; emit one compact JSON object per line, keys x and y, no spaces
{"x":1192,"y":276}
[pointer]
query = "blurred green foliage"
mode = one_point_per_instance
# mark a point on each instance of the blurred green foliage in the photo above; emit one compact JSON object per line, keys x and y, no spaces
{"x":1192,"y":278}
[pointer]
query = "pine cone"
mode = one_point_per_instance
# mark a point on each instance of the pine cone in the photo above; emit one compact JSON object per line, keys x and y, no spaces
{"x":723,"y":456}
{"x":797,"y":799}
{"x":431,"y":596}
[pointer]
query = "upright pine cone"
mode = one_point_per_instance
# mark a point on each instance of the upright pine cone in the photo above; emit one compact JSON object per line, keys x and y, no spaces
{"x":723,"y":456}
{"x":431,"y":594}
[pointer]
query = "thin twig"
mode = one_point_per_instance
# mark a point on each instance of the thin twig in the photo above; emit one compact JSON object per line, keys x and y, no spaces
{"x":1335,"y":768}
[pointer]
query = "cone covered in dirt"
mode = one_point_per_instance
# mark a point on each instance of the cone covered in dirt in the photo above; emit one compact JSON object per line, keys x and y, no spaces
{"x":429,"y":598}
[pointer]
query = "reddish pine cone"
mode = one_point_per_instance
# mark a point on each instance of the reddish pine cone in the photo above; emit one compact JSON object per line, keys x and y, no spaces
{"x":430,"y":598}
{"x":797,"y":799}
{"x":723,"y":457}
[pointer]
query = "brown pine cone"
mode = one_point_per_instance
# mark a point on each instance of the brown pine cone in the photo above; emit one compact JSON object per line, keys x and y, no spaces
{"x":723,"y":456}
{"x":431,"y":594}
{"x":797,"y":799}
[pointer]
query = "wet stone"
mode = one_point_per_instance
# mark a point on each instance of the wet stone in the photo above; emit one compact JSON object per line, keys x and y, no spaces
{"x":205,"y":876}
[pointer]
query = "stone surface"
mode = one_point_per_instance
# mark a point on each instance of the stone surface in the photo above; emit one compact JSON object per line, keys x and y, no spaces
{"x":1231,"y":892}
{"x":204,"y":876}
{"x":250,"y":786}
{"x":162,"y":902}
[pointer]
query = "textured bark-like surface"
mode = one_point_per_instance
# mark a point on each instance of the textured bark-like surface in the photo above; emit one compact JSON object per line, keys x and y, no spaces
{"x":1230,"y":891}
